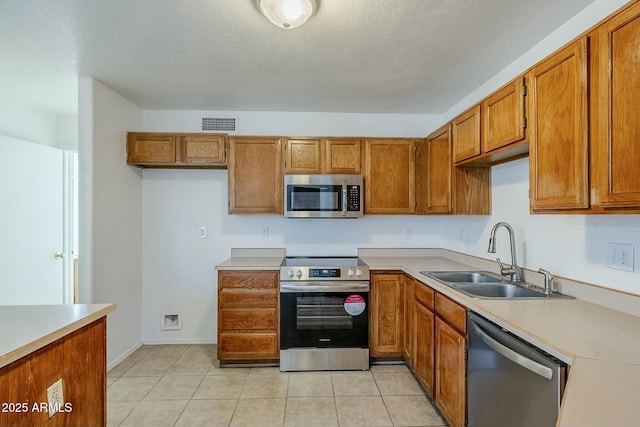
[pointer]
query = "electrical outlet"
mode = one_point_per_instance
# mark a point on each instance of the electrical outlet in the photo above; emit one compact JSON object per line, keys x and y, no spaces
{"x":55,"y":398}
{"x":407,"y":233}
{"x":620,"y":256}
{"x":264,"y":232}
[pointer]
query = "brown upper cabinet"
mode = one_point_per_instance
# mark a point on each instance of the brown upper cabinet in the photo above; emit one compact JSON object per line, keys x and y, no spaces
{"x":326,"y":155}
{"x":255,"y":175}
{"x":466,"y":134}
{"x":441,"y":187}
{"x":493,"y":131}
{"x":389,"y":175}
{"x":303,"y":155}
{"x":342,"y":155}
{"x":176,"y":150}
{"x":434,"y":173}
{"x":558,"y":109}
{"x":615,"y":124}
{"x":504,"y":121}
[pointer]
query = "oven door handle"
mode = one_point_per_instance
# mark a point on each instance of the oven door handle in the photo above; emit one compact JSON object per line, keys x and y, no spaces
{"x":320,"y":287}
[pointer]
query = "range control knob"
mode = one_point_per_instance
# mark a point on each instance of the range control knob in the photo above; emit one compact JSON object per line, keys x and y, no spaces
{"x":298,"y":274}
{"x":290,"y":273}
{"x":358,"y":272}
{"x":350,"y":272}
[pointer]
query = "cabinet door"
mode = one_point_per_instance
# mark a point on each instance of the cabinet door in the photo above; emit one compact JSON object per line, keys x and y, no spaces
{"x":558,"y":153}
{"x":386,"y":317}
{"x":503,"y":116}
{"x":203,"y":150}
{"x":151,"y":149}
{"x":389,"y":174}
{"x":255,"y":175}
{"x":615,"y":127}
{"x":407,"y":336}
{"x":434,"y":174}
{"x":302,"y":156}
{"x":423,"y":346}
{"x":341,"y":155}
{"x":450,"y":389}
{"x":466,"y":134}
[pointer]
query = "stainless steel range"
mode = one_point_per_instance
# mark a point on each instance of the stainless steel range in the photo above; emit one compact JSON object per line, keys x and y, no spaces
{"x":324,"y":305}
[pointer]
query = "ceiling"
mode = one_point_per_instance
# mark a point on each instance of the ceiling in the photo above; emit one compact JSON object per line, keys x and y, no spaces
{"x":367,"y":56}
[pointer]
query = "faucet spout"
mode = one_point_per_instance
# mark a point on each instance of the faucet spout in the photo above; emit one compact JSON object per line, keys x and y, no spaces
{"x":514,"y":270}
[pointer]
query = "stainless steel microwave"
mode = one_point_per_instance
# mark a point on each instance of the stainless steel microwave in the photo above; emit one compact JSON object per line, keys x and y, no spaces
{"x":323,"y":196}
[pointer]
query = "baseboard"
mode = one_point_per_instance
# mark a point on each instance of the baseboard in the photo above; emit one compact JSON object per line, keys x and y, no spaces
{"x":159,"y":341}
{"x":123,"y":356}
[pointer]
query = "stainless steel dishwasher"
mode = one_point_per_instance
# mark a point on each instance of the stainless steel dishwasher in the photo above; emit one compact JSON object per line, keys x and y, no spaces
{"x":510,"y":382}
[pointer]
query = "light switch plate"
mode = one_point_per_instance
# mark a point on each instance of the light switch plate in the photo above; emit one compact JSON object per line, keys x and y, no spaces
{"x":620,"y":256}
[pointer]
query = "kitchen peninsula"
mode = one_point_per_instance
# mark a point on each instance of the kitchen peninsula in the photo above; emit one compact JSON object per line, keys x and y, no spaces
{"x":42,"y":344}
{"x":599,"y":343}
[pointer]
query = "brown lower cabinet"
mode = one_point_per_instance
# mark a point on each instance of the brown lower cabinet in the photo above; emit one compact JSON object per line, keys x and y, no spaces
{"x":248,"y":316}
{"x":424,"y":336}
{"x":386,"y":319}
{"x":450,"y":389}
{"x":438,"y":349}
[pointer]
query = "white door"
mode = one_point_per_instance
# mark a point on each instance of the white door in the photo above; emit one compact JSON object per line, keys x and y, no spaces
{"x":31,"y":223}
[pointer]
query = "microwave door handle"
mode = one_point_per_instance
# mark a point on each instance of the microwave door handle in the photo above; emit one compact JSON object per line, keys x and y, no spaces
{"x":344,"y":198}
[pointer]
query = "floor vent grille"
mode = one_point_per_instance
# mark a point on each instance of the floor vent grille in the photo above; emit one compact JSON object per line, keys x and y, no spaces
{"x":219,"y":124}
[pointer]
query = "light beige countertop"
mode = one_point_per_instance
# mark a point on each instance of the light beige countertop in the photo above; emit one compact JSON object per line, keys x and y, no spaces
{"x":251,"y":263}
{"x":253,"y":259}
{"x":31,"y":327}
{"x":601,"y":344}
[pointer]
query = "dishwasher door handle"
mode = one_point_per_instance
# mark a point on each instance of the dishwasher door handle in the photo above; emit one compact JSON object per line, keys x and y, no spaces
{"x":512,"y":355}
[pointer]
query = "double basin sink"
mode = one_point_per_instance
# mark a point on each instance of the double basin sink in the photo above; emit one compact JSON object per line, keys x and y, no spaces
{"x":486,"y":285}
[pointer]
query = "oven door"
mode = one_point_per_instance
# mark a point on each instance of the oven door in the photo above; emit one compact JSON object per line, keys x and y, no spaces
{"x":324,"y":319}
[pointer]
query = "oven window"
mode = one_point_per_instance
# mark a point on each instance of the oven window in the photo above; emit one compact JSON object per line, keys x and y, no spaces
{"x":322,"y":312}
{"x":314,"y":198}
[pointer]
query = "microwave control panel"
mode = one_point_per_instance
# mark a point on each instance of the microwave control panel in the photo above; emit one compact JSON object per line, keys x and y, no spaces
{"x":353,"y":198}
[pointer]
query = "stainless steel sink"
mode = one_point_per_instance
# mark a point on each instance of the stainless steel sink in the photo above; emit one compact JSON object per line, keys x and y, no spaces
{"x":486,"y":285}
{"x":463,"y":276}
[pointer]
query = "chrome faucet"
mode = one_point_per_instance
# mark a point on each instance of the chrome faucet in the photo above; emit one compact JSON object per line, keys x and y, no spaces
{"x":514,"y":270}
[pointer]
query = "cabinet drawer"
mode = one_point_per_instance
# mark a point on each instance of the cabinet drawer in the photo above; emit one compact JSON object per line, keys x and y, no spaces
{"x":424,"y":295}
{"x":248,"y":346}
{"x":452,"y":312}
{"x":248,"y":279}
{"x":248,"y":319}
{"x":237,"y":298}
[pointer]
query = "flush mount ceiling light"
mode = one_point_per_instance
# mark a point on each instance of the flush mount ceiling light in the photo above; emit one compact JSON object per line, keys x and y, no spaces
{"x":288,"y":14}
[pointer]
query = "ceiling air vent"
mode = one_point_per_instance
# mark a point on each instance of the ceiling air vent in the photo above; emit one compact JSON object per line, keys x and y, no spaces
{"x":219,"y":124}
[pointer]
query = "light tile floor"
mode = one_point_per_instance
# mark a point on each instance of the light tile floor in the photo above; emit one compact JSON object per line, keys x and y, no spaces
{"x":183,"y":385}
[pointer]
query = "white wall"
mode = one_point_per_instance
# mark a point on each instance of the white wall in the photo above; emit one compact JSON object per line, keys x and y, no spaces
{"x":110,"y":262}
{"x":28,"y":124}
{"x":296,"y":124}
{"x":178,"y":266}
{"x":571,"y":246}
{"x":39,"y":126}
